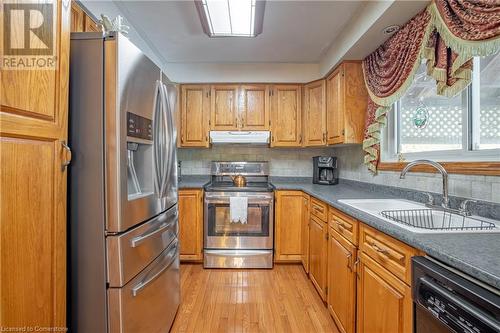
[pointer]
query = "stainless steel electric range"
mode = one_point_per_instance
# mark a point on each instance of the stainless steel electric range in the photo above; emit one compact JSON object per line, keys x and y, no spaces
{"x":239,"y":245}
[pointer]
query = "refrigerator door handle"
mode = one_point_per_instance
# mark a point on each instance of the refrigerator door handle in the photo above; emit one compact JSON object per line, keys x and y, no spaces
{"x":156,"y":137}
{"x":170,"y":148}
{"x":138,"y":240}
{"x":157,"y":271}
{"x":160,"y":141}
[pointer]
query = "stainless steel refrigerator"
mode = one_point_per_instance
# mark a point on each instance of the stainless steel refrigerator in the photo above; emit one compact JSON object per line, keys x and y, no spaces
{"x":124,"y":260}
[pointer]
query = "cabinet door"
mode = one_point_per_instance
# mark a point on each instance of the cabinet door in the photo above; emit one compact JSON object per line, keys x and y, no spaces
{"x":289,"y":206}
{"x":315,"y":114}
{"x":77,"y":17}
{"x":384,"y":302}
{"x":334,"y":107}
{"x":191,"y":224}
{"x":33,"y":118}
{"x":195,"y":108}
{"x":318,"y":252}
{"x":341,"y":296}
{"x":90,"y":25}
{"x":224,"y":109}
{"x":305,"y":233}
{"x":355,"y":101}
{"x":254,"y":107}
{"x":286,"y":112}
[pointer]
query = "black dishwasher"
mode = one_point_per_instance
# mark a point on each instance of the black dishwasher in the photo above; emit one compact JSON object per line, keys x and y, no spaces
{"x":445,"y":301}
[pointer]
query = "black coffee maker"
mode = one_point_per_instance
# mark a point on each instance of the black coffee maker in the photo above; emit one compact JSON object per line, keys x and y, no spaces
{"x":325,"y":170}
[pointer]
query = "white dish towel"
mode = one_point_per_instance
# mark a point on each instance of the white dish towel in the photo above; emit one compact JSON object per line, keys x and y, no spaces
{"x":238,"y":209}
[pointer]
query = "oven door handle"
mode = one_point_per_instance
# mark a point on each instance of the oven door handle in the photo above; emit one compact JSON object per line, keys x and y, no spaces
{"x":250,"y":202}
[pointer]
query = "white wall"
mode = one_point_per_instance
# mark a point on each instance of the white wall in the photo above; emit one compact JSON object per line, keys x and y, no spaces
{"x":252,"y":72}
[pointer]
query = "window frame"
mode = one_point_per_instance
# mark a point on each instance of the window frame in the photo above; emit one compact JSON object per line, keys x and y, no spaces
{"x":466,"y":160}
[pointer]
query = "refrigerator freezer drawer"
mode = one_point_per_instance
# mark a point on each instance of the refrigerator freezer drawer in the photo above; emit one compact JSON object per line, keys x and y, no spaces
{"x":150,"y":301}
{"x":131,"y":252}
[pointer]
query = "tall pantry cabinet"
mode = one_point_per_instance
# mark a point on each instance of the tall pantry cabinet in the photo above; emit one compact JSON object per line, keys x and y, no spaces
{"x":33,"y":144}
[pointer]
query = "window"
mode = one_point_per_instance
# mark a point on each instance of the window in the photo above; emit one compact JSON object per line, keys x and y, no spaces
{"x":423,"y":124}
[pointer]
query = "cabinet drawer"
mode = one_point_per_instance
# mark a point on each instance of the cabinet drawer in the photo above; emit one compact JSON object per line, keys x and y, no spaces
{"x":319,"y":209}
{"x":343,"y":224}
{"x":392,"y":254}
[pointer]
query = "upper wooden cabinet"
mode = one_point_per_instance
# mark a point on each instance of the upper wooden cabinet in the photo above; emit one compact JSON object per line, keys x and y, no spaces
{"x":33,"y":184}
{"x":315,"y":113}
{"x":194,"y":115}
{"x":286,"y":115}
{"x":91,"y":25}
{"x":346,"y":102}
{"x":254,"y":107}
{"x":81,"y":21}
{"x":77,"y":18}
{"x":289,"y":214}
{"x":191,"y":224}
{"x":224,"y":115}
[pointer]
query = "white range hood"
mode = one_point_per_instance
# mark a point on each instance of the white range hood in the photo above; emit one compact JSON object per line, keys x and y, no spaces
{"x":242,"y":137}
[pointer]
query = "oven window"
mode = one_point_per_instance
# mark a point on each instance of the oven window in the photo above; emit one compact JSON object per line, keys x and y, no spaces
{"x":257,"y":221}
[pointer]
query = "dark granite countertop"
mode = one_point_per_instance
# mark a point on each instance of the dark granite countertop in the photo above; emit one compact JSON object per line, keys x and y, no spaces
{"x":477,"y":255}
{"x":193,"y":181}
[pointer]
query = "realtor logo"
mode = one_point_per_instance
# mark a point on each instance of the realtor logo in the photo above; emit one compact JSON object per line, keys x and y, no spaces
{"x":28,"y":35}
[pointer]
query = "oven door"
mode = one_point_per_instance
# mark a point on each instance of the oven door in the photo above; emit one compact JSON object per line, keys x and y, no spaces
{"x":220,"y":233}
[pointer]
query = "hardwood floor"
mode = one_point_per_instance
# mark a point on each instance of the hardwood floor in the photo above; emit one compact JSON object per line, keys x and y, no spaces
{"x":277,"y":300}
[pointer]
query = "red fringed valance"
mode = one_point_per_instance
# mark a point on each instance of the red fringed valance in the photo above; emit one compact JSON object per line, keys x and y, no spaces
{"x":448,"y":33}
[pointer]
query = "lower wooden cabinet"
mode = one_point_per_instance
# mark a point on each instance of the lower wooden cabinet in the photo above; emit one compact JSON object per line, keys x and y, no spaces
{"x":384,"y":302}
{"x":341,"y":297}
{"x":288,"y":228}
{"x":318,"y":235}
{"x":191,"y":224}
{"x":305,"y":232}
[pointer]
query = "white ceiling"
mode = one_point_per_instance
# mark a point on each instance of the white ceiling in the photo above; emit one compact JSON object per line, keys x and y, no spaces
{"x":301,"y":40}
{"x":293,"y":31}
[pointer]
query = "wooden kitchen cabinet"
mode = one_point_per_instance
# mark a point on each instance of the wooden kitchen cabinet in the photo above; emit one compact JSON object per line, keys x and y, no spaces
{"x":346,"y":102}
{"x":383,"y":301}
{"x":224,"y":115}
{"x":81,"y":21}
{"x":305,"y":232}
{"x":286,"y":115}
{"x":288,"y":229}
{"x":318,"y":252}
{"x":315,"y":113}
{"x":33,"y":185}
{"x":77,"y":18}
{"x":91,"y":25}
{"x":195,"y":114}
{"x":341,"y":297}
{"x":191,"y":224}
{"x":254,"y":107}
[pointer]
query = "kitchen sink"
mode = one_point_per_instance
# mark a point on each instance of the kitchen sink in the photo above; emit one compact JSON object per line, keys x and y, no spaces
{"x":420,"y":218}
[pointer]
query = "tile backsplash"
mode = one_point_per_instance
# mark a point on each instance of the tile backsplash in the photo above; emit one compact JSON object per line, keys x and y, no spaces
{"x":298,"y":163}
{"x":350,"y":161}
{"x":283,"y":162}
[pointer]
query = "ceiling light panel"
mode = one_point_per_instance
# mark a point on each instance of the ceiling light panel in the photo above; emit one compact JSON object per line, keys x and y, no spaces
{"x":231,"y":18}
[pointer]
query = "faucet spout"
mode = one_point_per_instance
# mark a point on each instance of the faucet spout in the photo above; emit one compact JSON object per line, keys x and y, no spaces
{"x":436,"y":165}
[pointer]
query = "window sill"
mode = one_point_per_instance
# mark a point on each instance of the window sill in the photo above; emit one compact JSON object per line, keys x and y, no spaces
{"x":464,"y":168}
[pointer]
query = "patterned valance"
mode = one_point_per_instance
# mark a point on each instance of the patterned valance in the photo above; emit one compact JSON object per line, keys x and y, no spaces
{"x":448,"y":33}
